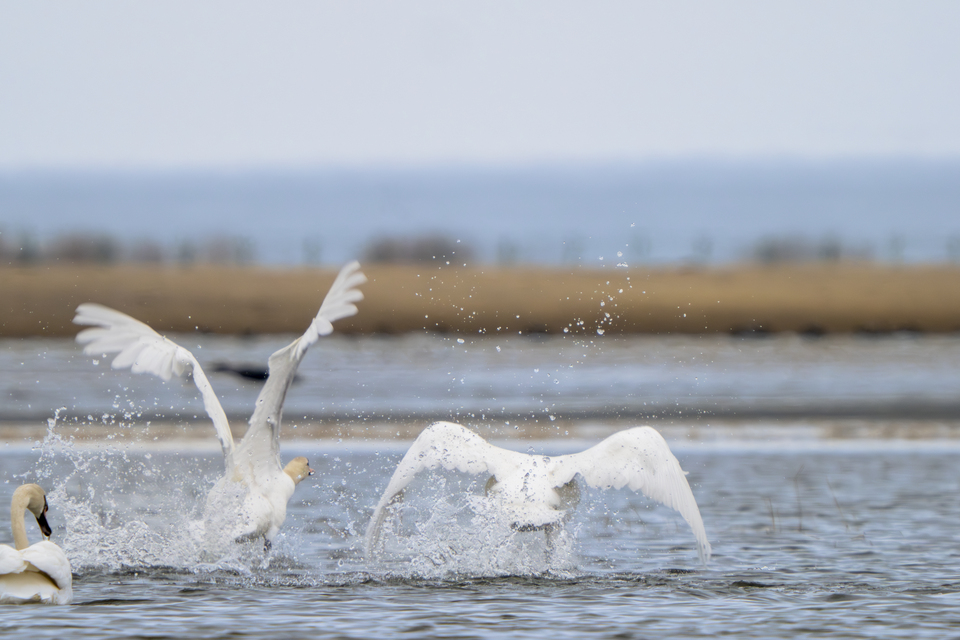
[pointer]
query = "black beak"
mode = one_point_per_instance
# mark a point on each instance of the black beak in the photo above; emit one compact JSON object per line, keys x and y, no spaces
{"x":44,"y":527}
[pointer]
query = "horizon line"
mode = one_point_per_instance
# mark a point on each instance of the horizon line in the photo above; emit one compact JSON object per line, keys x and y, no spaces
{"x":732,"y":161}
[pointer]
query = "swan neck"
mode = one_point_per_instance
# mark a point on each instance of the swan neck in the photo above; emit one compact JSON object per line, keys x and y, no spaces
{"x":296,"y":477}
{"x":17,"y":509}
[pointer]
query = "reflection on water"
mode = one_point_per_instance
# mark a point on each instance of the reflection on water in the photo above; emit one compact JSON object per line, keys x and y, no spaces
{"x":826,"y":540}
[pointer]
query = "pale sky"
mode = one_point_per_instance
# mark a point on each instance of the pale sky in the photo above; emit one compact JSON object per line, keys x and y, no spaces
{"x":250,"y":84}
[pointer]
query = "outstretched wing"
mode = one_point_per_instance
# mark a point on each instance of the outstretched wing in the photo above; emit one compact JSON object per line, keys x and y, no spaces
{"x":338,"y":304}
{"x":261,"y":443}
{"x":638,"y":458}
{"x":143,"y":350}
{"x":446,"y":445}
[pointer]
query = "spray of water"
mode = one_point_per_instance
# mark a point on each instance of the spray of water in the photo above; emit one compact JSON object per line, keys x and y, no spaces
{"x":444,"y":532}
{"x":124,"y":508}
{"x":134,"y":506}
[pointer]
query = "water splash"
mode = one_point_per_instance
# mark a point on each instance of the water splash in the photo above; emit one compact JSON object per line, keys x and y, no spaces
{"x":450,"y":534}
{"x":131,"y":506}
{"x":125,"y":508}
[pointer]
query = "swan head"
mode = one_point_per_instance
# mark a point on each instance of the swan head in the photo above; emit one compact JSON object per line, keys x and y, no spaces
{"x":32,"y":498}
{"x":298,"y":469}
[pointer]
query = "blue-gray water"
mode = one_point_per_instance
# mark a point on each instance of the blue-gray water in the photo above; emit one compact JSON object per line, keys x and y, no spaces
{"x":820,"y":541}
{"x":813,"y":535}
{"x":659,"y":212}
{"x":532,"y":377}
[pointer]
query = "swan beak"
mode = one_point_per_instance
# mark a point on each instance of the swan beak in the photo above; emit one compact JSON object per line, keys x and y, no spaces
{"x":309,"y":471}
{"x":44,"y":526}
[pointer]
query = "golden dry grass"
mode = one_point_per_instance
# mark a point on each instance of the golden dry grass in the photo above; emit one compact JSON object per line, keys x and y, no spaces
{"x":839,"y":297}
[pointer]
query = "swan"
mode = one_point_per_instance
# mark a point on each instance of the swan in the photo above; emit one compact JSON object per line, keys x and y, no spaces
{"x":250,"y":500}
{"x":33,"y":572}
{"x":535,"y":492}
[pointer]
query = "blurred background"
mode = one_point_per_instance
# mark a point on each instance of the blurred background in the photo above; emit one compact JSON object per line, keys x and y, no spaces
{"x":736,"y":221}
{"x":612,"y":134}
{"x":634,"y":137}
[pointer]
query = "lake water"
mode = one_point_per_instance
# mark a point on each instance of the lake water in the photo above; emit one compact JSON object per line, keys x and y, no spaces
{"x":821,"y":526}
{"x":512,"y":377}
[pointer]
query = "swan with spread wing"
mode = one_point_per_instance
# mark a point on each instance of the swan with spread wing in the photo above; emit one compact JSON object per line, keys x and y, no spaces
{"x":535,"y":491}
{"x":250,"y":500}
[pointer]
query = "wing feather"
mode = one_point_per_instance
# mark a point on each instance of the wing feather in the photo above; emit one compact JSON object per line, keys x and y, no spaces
{"x":640,"y":459}
{"x":51,"y":560}
{"x":336,"y":305}
{"x":143,"y":350}
{"x":447,"y":445}
{"x":10,"y":560}
{"x":43,"y":573}
{"x":261,"y":442}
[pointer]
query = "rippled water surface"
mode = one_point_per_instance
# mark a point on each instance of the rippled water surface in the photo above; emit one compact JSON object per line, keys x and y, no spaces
{"x":828,"y":540}
{"x":814,"y":534}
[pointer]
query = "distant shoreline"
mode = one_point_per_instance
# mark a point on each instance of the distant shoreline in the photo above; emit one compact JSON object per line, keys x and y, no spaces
{"x":198,"y":435}
{"x":814,"y":298}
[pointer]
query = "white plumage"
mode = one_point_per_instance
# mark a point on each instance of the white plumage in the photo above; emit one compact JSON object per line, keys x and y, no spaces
{"x":250,"y":500}
{"x":534,"y":491}
{"x":33,"y":573}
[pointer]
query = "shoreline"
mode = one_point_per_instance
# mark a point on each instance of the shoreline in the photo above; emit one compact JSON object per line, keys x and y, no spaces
{"x":814,"y":299}
{"x":724,"y":432}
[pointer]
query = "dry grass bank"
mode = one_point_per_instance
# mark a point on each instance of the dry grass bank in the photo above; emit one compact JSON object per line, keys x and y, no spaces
{"x":817,"y":297}
{"x":180,"y":436}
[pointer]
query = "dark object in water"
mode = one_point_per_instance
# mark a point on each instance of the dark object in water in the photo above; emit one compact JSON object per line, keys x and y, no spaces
{"x":246,"y":371}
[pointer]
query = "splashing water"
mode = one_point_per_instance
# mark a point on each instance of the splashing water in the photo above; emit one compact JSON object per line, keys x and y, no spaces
{"x":137,"y":505}
{"x":444,"y":532}
{"x":124,"y":511}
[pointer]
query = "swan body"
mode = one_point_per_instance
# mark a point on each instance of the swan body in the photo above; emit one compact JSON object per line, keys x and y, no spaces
{"x":250,"y":500}
{"x":33,"y":573}
{"x":536,"y":492}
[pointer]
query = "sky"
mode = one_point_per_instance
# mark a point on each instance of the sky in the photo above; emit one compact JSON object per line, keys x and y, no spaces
{"x":238,"y":84}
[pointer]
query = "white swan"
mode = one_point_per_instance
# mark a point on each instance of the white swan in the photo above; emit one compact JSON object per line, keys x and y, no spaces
{"x":33,"y":573}
{"x":535,"y":491}
{"x":250,"y":500}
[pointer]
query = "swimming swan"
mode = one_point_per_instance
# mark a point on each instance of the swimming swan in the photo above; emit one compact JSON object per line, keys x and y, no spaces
{"x":250,"y":500}
{"x":536,"y":491}
{"x":33,"y":572}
